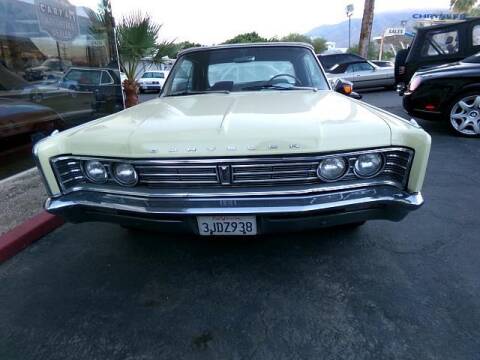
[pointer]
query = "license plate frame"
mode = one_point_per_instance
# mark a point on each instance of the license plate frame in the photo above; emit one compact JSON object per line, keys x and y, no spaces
{"x":231,"y":225}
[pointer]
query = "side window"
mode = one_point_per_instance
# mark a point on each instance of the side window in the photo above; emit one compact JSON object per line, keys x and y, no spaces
{"x":183,"y":78}
{"x":476,"y":35}
{"x":350,"y":69}
{"x":106,"y":78}
{"x":441,"y":43}
{"x":363,"y":67}
{"x":161,"y":75}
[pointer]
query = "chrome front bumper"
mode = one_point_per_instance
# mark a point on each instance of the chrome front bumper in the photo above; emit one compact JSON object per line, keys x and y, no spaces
{"x":274,"y":213}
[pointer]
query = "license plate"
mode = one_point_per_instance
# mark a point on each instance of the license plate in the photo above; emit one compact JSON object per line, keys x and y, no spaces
{"x":227,"y":225}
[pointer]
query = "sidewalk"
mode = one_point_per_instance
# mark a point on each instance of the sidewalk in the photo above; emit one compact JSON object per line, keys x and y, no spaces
{"x":21,"y":197}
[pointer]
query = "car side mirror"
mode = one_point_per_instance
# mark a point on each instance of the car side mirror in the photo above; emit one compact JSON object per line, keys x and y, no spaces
{"x":346,"y":88}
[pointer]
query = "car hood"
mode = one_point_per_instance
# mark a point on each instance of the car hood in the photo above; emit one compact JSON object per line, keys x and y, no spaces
{"x":247,"y":123}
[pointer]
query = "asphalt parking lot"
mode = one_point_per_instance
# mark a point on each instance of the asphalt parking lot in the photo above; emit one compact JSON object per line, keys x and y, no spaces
{"x":407,"y":290}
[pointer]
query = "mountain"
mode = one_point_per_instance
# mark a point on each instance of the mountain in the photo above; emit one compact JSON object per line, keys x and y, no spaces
{"x":338,"y":33}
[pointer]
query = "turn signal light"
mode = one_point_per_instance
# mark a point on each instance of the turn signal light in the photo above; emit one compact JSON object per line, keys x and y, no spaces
{"x":347,"y":88}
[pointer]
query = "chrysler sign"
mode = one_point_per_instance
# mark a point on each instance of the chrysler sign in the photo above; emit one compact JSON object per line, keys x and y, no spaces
{"x":58,"y":18}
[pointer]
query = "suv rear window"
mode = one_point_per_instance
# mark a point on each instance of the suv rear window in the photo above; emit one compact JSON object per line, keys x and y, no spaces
{"x":441,"y":43}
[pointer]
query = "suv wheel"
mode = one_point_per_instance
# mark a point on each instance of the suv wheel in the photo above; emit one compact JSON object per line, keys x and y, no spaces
{"x":464,"y":114}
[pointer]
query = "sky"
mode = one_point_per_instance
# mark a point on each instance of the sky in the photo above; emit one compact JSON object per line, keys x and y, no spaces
{"x":214,"y":21}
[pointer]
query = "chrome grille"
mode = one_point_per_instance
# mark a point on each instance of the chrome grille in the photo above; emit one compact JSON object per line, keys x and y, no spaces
{"x":69,"y":172}
{"x":177,"y":174}
{"x":240,"y":173}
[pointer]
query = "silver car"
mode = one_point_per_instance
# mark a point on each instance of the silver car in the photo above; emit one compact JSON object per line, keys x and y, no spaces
{"x":363,"y":74}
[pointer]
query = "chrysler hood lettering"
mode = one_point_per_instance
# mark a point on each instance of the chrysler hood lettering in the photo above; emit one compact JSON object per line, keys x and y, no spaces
{"x":263,"y":123}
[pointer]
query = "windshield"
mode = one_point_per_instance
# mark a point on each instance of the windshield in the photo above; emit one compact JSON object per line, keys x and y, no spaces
{"x":245,"y":69}
{"x":153,"y":75}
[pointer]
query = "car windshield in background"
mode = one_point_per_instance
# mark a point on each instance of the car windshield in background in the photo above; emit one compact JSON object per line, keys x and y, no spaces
{"x":245,"y":69}
{"x":153,"y":75}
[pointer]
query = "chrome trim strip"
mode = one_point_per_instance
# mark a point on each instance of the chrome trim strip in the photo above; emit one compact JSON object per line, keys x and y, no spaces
{"x":341,"y":201}
{"x":232,"y":160}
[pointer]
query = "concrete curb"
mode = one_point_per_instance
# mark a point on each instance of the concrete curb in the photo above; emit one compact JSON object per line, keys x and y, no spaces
{"x":27,"y":233}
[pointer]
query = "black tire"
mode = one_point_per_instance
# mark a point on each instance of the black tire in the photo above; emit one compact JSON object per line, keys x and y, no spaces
{"x":141,"y":91}
{"x":454,"y":106}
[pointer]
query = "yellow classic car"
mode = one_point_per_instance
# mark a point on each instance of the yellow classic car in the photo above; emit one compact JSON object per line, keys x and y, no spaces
{"x":244,"y":139}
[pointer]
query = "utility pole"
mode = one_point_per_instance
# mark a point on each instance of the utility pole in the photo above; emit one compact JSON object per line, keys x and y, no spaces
{"x":349,"y":11}
{"x":366,"y":29}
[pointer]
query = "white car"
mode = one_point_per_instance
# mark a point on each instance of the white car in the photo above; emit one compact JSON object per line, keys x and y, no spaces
{"x":152,"y":80}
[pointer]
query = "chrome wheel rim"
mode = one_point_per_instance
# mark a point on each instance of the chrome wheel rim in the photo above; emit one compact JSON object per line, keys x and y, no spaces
{"x":465,"y":115}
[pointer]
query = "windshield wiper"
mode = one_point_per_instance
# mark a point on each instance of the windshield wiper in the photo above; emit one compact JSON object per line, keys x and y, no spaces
{"x":183,"y":93}
{"x":278,"y":87}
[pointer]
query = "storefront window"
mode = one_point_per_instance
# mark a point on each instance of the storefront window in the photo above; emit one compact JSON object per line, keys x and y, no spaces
{"x":58,"y":69}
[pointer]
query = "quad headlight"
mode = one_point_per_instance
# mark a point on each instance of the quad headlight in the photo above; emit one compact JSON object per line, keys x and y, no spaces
{"x":125,"y":174}
{"x":368,"y":165}
{"x":95,"y":171}
{"x":332,"y":169}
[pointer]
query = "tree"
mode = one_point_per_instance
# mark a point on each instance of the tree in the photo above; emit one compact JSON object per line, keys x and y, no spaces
{"x":470,"y":7}
{"x":296,"y":37}
{"x":366,"y":29}
{"x":137,"y":37}
{"x":319,"y":44}
{"x":250,"y":37}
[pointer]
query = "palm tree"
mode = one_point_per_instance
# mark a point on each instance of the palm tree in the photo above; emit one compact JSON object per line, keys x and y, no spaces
{"x":471,"y":7}
{"x":366,"y":29}
{"x":137,"y":37}
{"x":462,"y":5}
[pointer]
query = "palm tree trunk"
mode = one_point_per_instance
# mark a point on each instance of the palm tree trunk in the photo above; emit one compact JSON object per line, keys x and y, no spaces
{"x":366,"y":29}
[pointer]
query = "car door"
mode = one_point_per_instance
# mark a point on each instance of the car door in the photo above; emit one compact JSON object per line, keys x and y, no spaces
{"x":365,"y":75}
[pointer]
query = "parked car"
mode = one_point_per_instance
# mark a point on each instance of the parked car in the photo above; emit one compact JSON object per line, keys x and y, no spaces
{"x":437,"y":45}
{"x":52,"y":68}
{"x":363,"y":74}
{"x":21,"y":121}
{"x":73,"y":106}
{"x":152,"y":80}
{"x":330,"y":60}
{"x":448,"y":92}
{"x":255,"y":152}
{"x":104,"y":83}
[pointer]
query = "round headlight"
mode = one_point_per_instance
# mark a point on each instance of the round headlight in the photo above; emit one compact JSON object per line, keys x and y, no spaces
{"x":331,"y":169}
{"x":368,"y":165}
{"x":95,"y":171}
{"x":125,"y":174}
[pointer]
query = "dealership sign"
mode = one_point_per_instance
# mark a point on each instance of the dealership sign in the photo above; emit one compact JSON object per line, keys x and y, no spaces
{"x":58,"y":18}
{"x":439,"y":16}
{"x":394,"y":31}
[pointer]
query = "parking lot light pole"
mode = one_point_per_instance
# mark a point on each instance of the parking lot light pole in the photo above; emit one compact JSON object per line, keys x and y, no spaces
{"x":349,"y":11}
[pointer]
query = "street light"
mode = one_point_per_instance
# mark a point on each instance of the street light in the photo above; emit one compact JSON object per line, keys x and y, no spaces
{"x":349,"y":11}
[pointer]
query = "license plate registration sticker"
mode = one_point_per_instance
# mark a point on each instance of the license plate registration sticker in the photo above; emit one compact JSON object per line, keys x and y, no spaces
{"x":227,"y":225}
